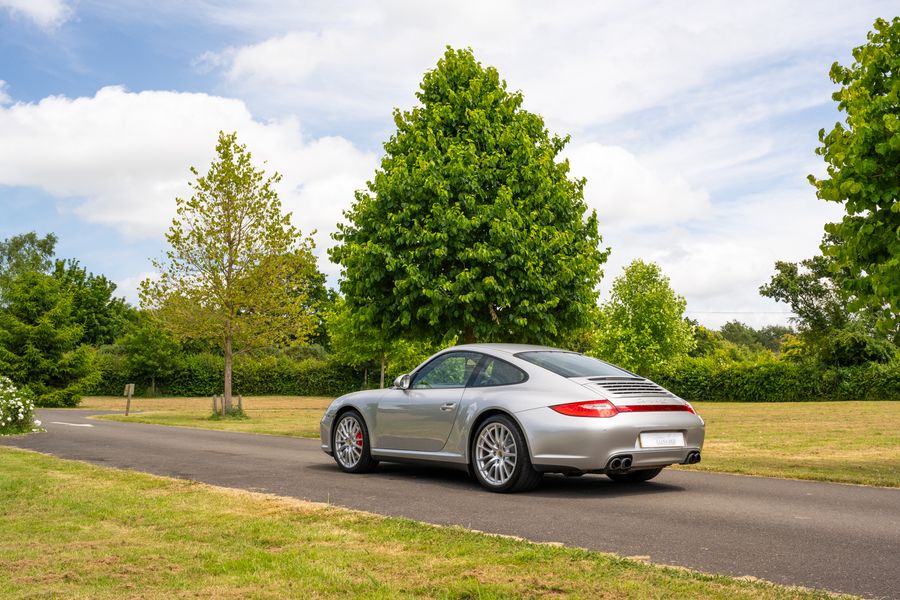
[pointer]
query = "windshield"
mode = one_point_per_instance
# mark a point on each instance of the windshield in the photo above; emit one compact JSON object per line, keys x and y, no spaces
{"x":571,"y":364}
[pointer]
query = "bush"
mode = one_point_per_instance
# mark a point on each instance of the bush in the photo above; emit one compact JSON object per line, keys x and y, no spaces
{"x":202,"y":375}
{"x":697,"y":379}
{"x":16,"y":409}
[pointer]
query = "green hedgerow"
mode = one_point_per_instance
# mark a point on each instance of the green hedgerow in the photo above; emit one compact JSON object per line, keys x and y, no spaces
{"x":16,"y":409}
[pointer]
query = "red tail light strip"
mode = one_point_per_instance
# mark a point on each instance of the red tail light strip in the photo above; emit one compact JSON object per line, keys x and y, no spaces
{"x":604,"y":408}
{"x":655,"y":407}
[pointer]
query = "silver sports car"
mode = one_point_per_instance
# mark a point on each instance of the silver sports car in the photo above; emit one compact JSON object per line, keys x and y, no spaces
{"x":509,"y":413}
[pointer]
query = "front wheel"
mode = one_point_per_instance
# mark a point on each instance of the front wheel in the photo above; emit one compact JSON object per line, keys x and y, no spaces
{"x":500,"y":458}
{"x":350,"y":444}
{"x":635,"y":476}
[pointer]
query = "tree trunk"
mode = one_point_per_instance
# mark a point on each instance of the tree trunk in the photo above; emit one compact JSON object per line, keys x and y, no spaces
{"x":153,"y":385}
{"x":381,"y":385}
{"x":469,"y":335}
{"x":226,"y":396}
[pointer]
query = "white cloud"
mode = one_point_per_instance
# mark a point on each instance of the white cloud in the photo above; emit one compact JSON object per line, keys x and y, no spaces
{"x":719,"y":267}
{"x":580,"y":63}
{"x":121,"y":158}
{"x":626,"y":192}
{"x":4,"y":95}
{"x":48,"y":14}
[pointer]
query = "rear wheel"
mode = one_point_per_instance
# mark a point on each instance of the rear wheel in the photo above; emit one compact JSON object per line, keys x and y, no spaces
{"x":350,"y":444}
{"x":635,"y":476}
{"x":500,"y":458}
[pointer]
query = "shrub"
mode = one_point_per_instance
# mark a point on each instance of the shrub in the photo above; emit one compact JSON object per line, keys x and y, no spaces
{"x":16,"y":409}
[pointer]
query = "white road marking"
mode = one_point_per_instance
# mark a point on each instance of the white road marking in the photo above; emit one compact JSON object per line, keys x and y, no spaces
{"x":71,"y":424}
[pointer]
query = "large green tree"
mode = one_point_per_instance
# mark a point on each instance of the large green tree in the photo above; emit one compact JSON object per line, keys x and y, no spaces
{"x":237,"y":270}
{"x":472,"y":227}
{"x":862,"y":154}
{"x":151,"y":351}
{"x":40,"y":342}
{"x":102,"y":316}
{"x":832,"y":330}
{"x":354,"y":342}
{"x":24,"y":253}
{"x":642,"y":325}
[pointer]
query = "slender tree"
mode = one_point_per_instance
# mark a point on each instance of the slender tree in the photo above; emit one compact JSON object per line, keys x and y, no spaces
{"x":236,"y":270}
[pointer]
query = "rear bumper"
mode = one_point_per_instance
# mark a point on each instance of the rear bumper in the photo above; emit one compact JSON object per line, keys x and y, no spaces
{"x":560,"y":442}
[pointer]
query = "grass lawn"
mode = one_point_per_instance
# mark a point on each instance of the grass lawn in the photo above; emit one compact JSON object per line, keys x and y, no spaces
{"x":296,"y":416}
{"x":72,"y":530}
{"x":850,"y":442}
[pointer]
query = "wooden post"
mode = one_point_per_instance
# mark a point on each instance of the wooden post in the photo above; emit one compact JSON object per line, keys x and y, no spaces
{"x":215,"y":408}
{"x":129,"y":391}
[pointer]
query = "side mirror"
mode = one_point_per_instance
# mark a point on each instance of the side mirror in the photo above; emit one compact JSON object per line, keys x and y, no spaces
{"x":403,"y":382}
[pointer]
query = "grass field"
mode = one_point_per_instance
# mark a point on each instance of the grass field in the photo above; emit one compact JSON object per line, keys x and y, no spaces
{"x":72,"y":530}
{"x":849,"y":442}
{"x":296,"y":416}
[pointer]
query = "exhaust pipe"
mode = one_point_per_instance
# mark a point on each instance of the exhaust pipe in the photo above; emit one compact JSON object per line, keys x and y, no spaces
{"x":619,"y":463}
{"x":692,"y":458}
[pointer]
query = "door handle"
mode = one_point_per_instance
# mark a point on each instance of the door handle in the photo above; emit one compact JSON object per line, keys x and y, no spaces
{"x":448,"y":406}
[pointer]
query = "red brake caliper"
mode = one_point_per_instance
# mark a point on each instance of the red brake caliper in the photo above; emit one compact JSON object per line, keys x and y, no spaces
{"x":359,"y":438}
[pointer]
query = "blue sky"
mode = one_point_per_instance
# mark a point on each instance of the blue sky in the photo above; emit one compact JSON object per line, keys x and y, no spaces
{"x":694,"y":123}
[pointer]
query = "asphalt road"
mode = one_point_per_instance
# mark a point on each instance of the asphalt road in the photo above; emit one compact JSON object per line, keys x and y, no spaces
{"x":829,"y":536}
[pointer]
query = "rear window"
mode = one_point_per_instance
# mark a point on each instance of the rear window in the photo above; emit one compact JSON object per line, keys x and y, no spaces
{"x":571,"y":364}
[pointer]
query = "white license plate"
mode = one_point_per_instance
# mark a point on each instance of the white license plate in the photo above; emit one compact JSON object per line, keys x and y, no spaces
{"x":662,"y":439}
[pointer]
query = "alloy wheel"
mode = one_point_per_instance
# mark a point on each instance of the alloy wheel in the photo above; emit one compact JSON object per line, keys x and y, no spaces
{"x":348,"y":440}
{"x":496,"y":454}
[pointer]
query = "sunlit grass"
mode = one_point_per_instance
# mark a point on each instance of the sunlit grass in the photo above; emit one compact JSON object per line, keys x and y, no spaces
{"x":72,"y":530}
{"x":851,"y":442}
{"x":296,"y":416}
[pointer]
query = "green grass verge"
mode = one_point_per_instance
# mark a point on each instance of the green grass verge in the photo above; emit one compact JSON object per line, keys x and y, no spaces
{"x":72,"y":530}
{"x":848,"y":442}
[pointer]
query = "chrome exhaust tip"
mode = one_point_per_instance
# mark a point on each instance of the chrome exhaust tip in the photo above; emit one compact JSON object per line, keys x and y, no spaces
{"x":615,"y":464}
{"x":692,"y":458}
{"x":626,"y":462}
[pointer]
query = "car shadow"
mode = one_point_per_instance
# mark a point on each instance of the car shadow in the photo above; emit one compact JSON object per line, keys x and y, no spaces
{"x":553,"y":485}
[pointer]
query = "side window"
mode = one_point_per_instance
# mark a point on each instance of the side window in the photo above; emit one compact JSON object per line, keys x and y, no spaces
{"x":498,"y":372}
{"x":448,"y":371}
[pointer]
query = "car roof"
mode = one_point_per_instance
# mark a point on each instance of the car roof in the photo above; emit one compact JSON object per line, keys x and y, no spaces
{"x":505,"y":348}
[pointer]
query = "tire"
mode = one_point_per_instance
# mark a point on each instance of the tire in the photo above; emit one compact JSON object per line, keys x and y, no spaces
{"x":350,"y":443}
{"x":635,"y":476}
{"x":499,"y":457}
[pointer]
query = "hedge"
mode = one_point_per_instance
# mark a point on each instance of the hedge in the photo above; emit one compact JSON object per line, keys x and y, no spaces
{"x":700,"y":380}
{"x":693,"y":379}
{"x":202,"y":374}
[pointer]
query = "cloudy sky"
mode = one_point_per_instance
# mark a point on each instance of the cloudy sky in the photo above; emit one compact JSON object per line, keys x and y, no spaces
{"x":694,"y":123}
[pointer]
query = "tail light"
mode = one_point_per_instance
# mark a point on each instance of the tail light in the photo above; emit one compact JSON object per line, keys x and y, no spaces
{"x":588,"y":408}
{"x":605,"y":408}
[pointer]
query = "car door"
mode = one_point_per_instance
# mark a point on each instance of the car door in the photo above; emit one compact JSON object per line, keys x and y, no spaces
{"x":420,"y":417}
